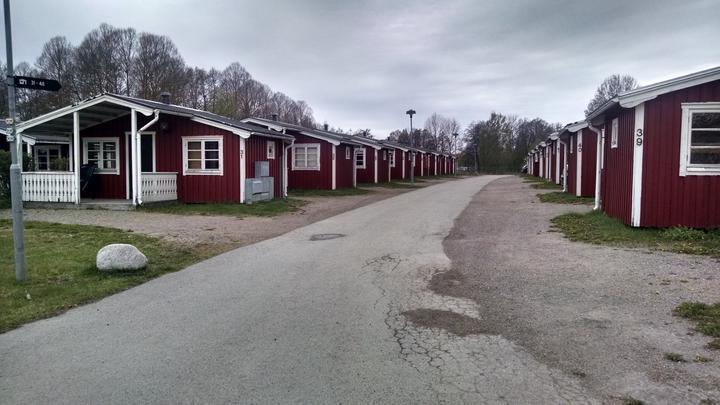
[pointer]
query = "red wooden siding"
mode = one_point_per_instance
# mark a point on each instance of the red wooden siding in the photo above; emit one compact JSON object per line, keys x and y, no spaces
{"x":344,"y":169}
{"x":589,"y":157}
{"x":617,"y":172}
{"x":667,"y":198}
{"x":384,"y":165}
{"x":397,"y":171}
{"x":536,"y":165}
{"x":311,"y":179}
{"x":256,"y":150}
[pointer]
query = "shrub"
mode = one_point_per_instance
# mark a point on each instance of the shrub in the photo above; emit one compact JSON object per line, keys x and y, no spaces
{"x":5,"y":161}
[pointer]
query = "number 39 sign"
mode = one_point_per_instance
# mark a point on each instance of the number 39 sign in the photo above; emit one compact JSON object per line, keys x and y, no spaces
{"x":638,"y":137}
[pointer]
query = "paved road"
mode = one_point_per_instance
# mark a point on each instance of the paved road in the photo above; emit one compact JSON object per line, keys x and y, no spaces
{"x":288,"y":320}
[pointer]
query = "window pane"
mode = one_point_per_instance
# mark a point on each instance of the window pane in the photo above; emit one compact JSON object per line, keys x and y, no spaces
{"x":93,"y":155}
{"x":194,"y":145}
{"x":212,"y":164}
{"x":214,"y":145}
{"x":109,"y":146}
{"x":194,"y":164}
{"x":212,"y":154}
{"x":705,"y":156}
{"x":110,"y":164}
{"x":93,"y":145}
{"x":109,"y":155}
{"x":194,"y":154}
{"x":706,"y":120}
{"x":705,"y":138}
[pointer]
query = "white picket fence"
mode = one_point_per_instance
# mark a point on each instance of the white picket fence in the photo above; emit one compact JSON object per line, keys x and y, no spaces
{"x":48,"y":187}
{"x":159,"y":186}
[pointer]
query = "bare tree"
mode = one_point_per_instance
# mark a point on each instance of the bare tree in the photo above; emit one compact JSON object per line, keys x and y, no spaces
{"x":609,"y":88}
{"x":57,"y":62}
{"x":96,"y":63}
{"x":158,"y":67}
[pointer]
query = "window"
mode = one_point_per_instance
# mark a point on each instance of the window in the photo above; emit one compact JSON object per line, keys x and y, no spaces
{"x":347,"y":153}
{"x":103,"y":153}
{"x":360,"y":158}
{"x":614,"y":134}
{"x":306,"y":157}
{"x":48,"y":158}
{"x":270,"y":149}
{"x":384,"y":155}
{"x":700,"y":139}
{"x":202,"y":155}
{"x":392,"y":159}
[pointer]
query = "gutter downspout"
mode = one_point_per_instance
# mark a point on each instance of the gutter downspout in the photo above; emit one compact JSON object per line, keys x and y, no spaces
{"x":285,"y":167}
{"x":598,"y":163}
{"x":138,"y":137}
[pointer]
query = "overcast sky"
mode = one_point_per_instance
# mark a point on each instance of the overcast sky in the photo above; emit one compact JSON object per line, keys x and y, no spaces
{"x":362,"y":64}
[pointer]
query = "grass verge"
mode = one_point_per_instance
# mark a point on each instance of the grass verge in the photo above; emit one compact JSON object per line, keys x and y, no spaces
{"x":328,"y":193}
{"x":596,"y":227}
{"x":260,"y":209}
{"x":559,"y":197}
{"x":61,"y":268}
{"x":706,"y":317}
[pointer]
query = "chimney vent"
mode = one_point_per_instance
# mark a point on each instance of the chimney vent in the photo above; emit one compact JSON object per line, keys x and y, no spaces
{"x":274,"y":117}
{"x":326,"y":126}
{"x":165,"y":97}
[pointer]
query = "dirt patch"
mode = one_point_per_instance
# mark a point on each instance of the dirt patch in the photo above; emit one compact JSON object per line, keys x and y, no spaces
{"x":602,"y":312}
{"x":457,"y":324}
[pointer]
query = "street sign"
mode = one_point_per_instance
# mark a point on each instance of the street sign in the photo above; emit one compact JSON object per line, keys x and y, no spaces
{"x":36,"y":83}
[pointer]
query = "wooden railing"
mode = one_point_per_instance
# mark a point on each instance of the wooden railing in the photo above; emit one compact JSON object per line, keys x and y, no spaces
{"x":159,"y":186}
{"x":49,"y":187}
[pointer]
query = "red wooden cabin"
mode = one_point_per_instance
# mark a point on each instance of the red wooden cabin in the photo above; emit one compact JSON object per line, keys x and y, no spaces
{"x":317,"y":159}
{"x":145,"y":151}
{"x":398,"y":160}
{"x":661,"y":153}
{"x":581,"y":158}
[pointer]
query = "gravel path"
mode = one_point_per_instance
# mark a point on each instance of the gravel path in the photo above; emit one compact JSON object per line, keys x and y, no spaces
{"x":219,"y":233}
{"x":600,"y":313}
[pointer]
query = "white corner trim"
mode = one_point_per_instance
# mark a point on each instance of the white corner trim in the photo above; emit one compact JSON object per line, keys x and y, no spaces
{"x":638,"y":144}
{"x":403,"y":165}
{"x":242,"y":170}
{"x":376,"y":165}
{"x":578,"y":164}
{"x":334,"y":167}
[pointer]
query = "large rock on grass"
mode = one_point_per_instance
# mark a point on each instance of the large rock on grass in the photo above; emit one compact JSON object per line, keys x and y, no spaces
{"x":120,"y":257}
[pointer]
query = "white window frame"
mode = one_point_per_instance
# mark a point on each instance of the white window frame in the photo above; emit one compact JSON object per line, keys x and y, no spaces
{"x":614,"y":133}
{"x":348,"y":153}
{"x":361,"y":151}
{"x":571,"y":145}
{"x":306,"y":146}
{"x":202,"y":171}
{"x":392,"y":158}
{"x":270,"y":149}
{"x":47,"y":147}
{"x":102,"y":140}
{"x":687,"y":168}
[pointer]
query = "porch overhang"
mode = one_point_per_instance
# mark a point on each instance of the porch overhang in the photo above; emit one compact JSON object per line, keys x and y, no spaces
{"x":93,"y":111}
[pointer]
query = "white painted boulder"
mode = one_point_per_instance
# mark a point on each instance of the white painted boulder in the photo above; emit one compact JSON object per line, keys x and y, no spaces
{"x":120,"y":257}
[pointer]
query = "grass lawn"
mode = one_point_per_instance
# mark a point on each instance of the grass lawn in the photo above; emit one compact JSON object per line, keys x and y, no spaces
{"x":392,"y":184}
{"x":707,"y":318}
{"x":260,"y":209}
{"x":61,"y":268}
{"x":328,"y":193}
{"x":558,"y":197}
{"x":596,"y":227}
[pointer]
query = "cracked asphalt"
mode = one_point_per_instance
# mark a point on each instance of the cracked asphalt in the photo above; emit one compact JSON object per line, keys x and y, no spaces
{"x":290,"y":320}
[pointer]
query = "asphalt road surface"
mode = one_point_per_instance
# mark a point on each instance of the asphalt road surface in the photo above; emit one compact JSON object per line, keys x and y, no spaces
{"x":289,"y":320}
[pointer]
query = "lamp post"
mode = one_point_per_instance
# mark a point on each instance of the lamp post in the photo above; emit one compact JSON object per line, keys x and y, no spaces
{"x":411,"y":112}
{"x":455,"y":135}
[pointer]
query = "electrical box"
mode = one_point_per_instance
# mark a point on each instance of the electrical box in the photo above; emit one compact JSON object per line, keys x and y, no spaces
{"x":259,"y":189}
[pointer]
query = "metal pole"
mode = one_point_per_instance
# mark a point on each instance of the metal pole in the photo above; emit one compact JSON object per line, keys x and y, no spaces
{"x":412,"y":144}
{"x":15,"y":170}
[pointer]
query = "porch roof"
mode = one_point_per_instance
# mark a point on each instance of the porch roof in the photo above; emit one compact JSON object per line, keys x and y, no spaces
{"x":106,"y":107}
